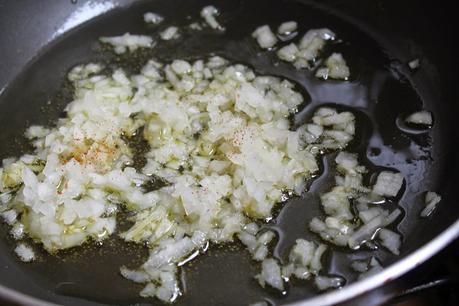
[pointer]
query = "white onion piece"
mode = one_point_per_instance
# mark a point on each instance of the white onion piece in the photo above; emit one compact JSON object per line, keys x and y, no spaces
{"x":9,"y":216}
{"x":414,"y":64}
{"x":153,"y":18}
{"x":169,"y":33}
{"x":388,"y":183}
{"x":135,"y":276}
{"x":128,"y":42}
{"x":367,"y":231}
{"x":257,"y":246}
{"x":209,"y":13}
{"x":304,"y":260}
{"x":347,"y":161}
{"x":265,"y":37}
{"x":24,"y":252}
{"x":431,"y":200}
{"x":335,"y":68}
{"x":288,"y":53}
{"x":17,"y":231}
{"x":310,"y":47}
{"x":271,"y":274}
{"x":287,"y":28}
{"x":308,"y":38}
{"x":390,"y":240}
{"x":332,"y":235}
{"x":325,"y":282}
{"x":36,"y":131}
{"x":422,"y":118}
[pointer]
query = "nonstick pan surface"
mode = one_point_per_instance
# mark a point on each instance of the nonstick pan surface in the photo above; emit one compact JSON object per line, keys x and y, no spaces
{"x":381,"y":89}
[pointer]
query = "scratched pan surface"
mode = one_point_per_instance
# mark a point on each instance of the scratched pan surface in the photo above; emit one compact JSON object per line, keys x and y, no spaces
{"x":381,"y":88}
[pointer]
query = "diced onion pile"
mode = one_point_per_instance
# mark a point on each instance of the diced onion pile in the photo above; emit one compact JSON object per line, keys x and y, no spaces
{"x":340,"y":226}
{"x":219,"y":139}
{"x":307,"y":52}
{"x":335,"y":68}
{"x":218,"y":135}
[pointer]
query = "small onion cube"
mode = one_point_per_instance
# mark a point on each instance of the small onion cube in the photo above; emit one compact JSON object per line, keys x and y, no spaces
{"x":24,"y":252}
{"x":335,"y":68}
{"x":414,"y":64}
{"x":153,"y":18}
{"x":265,"y":37}
{"x":209,"y":13}
{"x":288,"y":53}
{"x":390,"y":240}
{"x":287,"y":28}
{"x":128,"y":42}
{"x":421,"y":118}
{"x":431,"y":200}
{"x":271,"y":274}
{"x":388,"y":184}
{"x":325,"y":282}
{"x":169,"y":33}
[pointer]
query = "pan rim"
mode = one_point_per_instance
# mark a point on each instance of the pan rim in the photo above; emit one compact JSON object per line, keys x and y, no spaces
{"x":360,"y":287}
{"x":392,"y":272}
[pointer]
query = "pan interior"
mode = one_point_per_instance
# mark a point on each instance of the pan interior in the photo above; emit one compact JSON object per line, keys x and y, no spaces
{"x":380,"y":90}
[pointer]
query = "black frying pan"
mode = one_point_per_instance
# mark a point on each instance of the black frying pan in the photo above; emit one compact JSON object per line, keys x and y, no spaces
{"x":41,"y":40}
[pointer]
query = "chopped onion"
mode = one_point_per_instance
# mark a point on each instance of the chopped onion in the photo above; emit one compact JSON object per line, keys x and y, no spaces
{"x":288,"y":53}
{"x":431,"y":200}
{"x":422,"y":118}
{"x":9,"y":216}
{"x":209,"y":13}
{"x":128,"y":42}
{"x":17,"y":231}
{"x":359,"y":266}
{"x":271,"y":274}
{"x":169,"y":33}
{"x":287,"y":28}
{"x":390,"y":240}
{"x":367,"y":231}
{"x":325,"y":282}
{"x":414,"y":64}
{"x":218,"y":137}
{"x":257,"y":246}
{"x":24,"y":252}
{"x":153,"y":18}
{"x":265,"y":37}
{"x":335,"y":68}
{"x":388,"y":184}
{"x":310,"y":47}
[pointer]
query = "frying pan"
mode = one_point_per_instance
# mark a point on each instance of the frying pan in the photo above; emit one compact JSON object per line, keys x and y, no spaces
{"x":41,"y":40}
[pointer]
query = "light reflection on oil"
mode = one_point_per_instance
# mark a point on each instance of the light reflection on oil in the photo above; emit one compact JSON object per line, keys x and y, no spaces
{"x":85,"y":12}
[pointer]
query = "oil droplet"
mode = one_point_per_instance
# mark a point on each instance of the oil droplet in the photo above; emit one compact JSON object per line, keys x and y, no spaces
{"x":375,"y":151}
